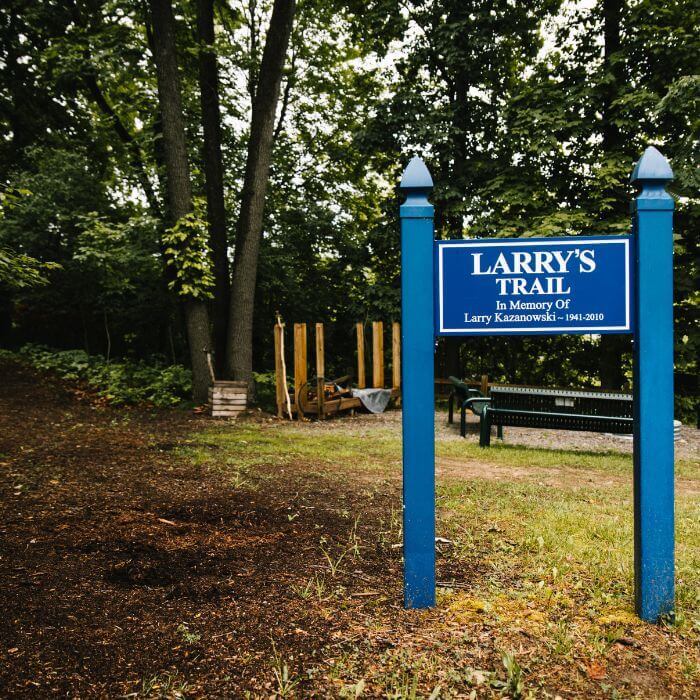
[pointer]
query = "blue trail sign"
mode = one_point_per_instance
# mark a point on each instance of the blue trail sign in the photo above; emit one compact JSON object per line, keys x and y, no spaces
{"x":611,"y":284}
{"x":534,"y":286}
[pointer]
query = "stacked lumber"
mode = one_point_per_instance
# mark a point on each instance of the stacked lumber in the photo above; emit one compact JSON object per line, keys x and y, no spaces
{"x":227,"y":399}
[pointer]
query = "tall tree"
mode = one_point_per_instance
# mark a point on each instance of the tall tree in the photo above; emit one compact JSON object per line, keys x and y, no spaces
{"x":179,"y":187}
{"x":462,"y":63}
{"x":239,"y":359}
{"x":213,"y":174}
{"x":612,"y":374}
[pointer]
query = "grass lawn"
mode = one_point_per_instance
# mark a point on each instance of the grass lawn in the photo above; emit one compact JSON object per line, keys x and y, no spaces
{"x":536,"y":578}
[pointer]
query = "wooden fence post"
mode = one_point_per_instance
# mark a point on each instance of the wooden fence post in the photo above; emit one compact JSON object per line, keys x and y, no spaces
{"x":320,"y":370}
{"x":396,"y":354}
{"x":378,"y":354}
{"x":361,"y":377}
{"x":299,"y":364}
{"x":485,"y":384}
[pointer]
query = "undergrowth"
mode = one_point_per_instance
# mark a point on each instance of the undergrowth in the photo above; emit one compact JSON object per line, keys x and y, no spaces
{"x":118,"y":382}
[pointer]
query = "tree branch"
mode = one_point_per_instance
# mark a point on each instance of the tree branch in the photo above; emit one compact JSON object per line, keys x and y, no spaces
{"x":285,"y":97}
{"x":127,"y":138}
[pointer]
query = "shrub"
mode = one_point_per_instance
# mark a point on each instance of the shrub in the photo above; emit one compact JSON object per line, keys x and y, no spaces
{"x":123,"y":382}
{"x":265,"y":391}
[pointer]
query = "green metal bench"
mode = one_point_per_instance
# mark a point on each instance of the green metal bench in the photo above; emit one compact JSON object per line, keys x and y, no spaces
{"x":467,"y":399}
{"x":558,"y":409}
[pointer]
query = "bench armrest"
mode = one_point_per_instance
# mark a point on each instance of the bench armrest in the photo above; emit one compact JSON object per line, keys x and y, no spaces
{"x":476,"y":404}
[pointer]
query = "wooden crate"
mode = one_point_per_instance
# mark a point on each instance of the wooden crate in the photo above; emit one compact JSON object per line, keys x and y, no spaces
{"x":228,"y":399}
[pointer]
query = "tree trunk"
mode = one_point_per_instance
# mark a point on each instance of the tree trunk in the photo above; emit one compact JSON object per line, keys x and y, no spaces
{"x":178,"y":179}
{"x":612,"y":346}
{"x":239,"y":360}
{"x":213,"y":173}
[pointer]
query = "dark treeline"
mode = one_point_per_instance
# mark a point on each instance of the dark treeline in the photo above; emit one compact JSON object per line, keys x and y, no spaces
{"x":175,"y":173}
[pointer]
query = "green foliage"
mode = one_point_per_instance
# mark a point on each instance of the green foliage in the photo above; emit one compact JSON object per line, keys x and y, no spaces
{"x":266,"y":391}
{"x":110,"y":252}
{"x":526,"y":128}
{"x":124,"y":382}
{"x":187,"y":254}
{"x":513,"y":686}
{"x":18,"y":271}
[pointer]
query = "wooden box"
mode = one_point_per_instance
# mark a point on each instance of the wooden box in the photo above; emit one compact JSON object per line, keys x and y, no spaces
{"x":228,"y":399}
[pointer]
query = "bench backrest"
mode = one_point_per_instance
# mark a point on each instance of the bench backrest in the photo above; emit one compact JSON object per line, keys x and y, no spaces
{"x":590,"y":403}
{"x":462,"y":390}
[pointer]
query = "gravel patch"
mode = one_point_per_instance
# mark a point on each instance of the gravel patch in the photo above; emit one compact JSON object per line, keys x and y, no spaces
{"x":363,"y":424}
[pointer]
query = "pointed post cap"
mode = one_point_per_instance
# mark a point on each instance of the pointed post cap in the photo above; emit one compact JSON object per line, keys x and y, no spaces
{"x":652,"y":166}
{"x":416,"y":176}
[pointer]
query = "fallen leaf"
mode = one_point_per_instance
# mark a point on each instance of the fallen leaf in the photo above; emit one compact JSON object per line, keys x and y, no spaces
{"x":596,"y":671}
{"x":628,"y":642}
{"x":477,"y":677}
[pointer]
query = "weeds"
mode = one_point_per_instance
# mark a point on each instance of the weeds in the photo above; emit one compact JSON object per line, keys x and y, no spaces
{"x":561,"y":642}
{"x":188,"y":637}
{"x":392,"y":533}
{"x":238,"y":479}
{"x":353,"y":691}
{"x":314,"y":587}
{"x":405,"y":688}
{"x":689,"y":668}
{"x":514,"y":685}
{"x":354,"y":540}
{"x":164,"y":686}
{"x":284,"y":681}
{"x":334,"y":561}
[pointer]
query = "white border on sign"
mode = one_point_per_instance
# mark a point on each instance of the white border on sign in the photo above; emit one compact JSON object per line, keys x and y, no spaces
{"x":492,"y":331}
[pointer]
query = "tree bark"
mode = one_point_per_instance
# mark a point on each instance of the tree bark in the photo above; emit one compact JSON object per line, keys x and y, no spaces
{"x":239,"y":360}
{"x":213,"y":174}
{"x":612,"y":346}
{"x":179,"y":187}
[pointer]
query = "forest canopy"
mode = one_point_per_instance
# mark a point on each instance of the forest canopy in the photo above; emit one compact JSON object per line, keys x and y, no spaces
{"x":174,"y":174}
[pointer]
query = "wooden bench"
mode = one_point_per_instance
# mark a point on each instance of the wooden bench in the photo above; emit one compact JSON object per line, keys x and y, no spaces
{"x":558,"y":409}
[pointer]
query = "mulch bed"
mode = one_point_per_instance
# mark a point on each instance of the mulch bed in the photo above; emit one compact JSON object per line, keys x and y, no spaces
{"x":121,"y":562}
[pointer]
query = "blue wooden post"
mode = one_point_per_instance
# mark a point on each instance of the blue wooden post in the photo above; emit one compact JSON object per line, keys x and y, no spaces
{"x":417,"y":386}
{"x":653,"y":388}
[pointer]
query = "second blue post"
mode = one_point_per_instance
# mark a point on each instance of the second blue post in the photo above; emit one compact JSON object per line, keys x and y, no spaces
{"x":653,"y":388}
{"x":417,"y":382}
